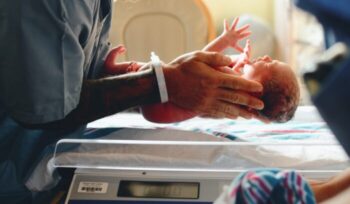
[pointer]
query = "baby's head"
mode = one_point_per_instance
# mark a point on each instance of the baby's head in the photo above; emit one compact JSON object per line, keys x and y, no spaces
{"x":281,"y":90}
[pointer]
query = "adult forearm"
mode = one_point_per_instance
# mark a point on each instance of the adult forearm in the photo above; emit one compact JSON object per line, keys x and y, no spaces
{"x":106,"y":96}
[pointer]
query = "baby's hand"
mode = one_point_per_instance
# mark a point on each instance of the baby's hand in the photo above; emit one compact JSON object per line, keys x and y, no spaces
{"x":232,"y":36}
{"x":243,"y":58}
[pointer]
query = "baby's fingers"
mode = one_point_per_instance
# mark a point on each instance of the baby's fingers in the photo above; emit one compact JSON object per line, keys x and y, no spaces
{"x":238,"y":48}
{"x":228,"y":70}
{"x":234,"y":23}
{"x":226,"y":25}
{"x":242,"y":29}
{"x":247,"y":49}
{"x":244,"y":35}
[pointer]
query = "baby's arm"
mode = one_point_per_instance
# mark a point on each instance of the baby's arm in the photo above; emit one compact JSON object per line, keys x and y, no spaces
{"x":242,"y":59}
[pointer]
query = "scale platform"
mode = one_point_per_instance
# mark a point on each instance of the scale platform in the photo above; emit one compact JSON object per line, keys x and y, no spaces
{"x":120,"y":170}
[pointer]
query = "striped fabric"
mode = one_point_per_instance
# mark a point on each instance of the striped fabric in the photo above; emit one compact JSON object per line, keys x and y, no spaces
{"x":268,"y":186}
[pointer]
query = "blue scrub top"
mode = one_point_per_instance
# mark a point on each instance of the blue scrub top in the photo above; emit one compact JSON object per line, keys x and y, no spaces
{"x":333,"y":99}
{"x":47,"y":48}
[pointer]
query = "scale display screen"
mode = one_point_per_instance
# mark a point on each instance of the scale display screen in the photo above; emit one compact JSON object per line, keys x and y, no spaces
{"x":155,"y":189}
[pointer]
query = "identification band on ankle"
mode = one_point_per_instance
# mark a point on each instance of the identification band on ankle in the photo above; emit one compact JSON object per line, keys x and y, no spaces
{"x":157,"y":66}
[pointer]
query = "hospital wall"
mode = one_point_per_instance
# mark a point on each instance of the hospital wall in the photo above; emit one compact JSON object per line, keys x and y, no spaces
{"x":221,"y":9}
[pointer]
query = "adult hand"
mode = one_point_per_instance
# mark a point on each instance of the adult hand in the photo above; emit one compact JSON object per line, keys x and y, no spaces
{"x":193,"y":83}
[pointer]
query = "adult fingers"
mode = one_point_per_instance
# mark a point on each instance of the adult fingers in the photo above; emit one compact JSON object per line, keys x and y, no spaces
{"x":207,"y":115}
{"x":233,"y":117}
{"x":261,"y":118}
{"x":213,"y":59}
{"x":241,"y":98}
{"x":223,"y":109}
{"x":239,"y":83}
{"x":258,"y":116}
{"x":227,"y":70}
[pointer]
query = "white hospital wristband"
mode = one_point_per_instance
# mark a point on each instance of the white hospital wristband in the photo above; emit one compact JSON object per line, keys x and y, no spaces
{"x":157,"y":66}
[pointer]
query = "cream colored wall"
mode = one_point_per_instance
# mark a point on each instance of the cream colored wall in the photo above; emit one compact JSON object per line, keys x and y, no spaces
{"x":221,"y":9}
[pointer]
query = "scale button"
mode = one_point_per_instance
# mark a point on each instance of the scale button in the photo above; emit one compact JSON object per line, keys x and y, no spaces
{"x":92,"y":187}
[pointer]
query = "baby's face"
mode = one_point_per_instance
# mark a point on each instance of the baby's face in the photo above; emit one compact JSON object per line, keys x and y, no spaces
{"x":264,"y":68}
{"x":281,"y":90}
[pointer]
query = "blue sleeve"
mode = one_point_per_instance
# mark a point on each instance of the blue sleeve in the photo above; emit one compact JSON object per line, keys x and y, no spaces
{"x":333,"y":100}
{"x":333,"y":103}
{"x":42,"y":58}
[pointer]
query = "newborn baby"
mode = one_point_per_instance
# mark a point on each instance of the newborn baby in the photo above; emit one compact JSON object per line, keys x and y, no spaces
{"x":280,"y":95}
